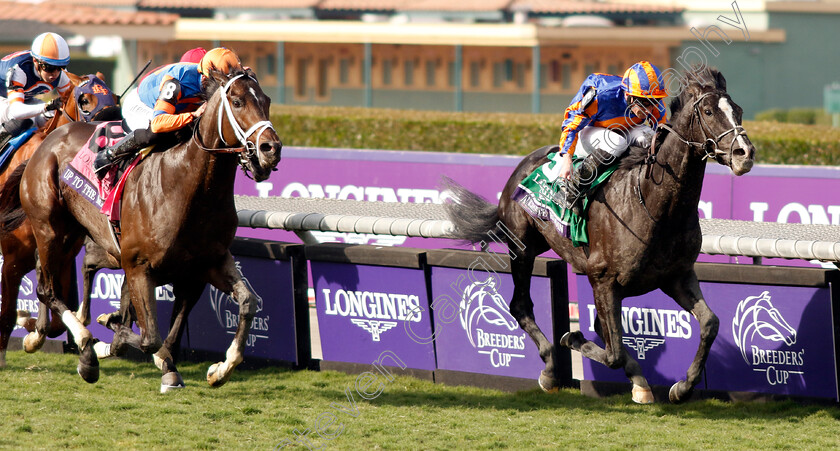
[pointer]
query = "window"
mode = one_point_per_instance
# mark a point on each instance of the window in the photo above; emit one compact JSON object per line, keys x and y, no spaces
{"x":323,"y":72}
{"x":430,"y":73}
{"x":566,"y":75}
{"x":267,"y":64}
{"x":387,"y":69}
{"x":344,"y":71}
{"x":519,"y":74}
{"x":408,"y":72}
{"x":498,"y":74}
{"x":475,"y":74}
{"x":301,"y":88}
{"x":453,"y":74}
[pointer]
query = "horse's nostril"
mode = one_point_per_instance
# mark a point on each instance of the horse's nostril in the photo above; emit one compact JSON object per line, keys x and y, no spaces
{"x":267,"y":148}
{"x":739,"y":152}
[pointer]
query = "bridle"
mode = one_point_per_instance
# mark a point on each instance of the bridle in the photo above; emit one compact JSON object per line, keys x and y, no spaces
{"x":710,"y":141}
{"x":248,"y":149}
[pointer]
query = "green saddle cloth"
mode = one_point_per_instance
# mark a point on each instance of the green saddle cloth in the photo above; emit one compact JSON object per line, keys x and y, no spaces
{"x":536,"y":195}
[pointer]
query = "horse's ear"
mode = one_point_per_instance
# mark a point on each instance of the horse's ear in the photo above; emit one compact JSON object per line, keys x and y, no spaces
{"x":100,"y":76}
{"x":720,"y":81}
{"x":250,"y":73}
{"x":75,"y":79}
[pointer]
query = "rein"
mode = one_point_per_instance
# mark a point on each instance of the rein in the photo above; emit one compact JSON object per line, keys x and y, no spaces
{"x":248,"y":148}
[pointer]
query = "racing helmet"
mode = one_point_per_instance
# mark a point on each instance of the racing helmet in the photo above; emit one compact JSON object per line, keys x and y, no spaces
{"x":51,"y":49}
{"x":643,"y":79}
{"x":221,"y":59}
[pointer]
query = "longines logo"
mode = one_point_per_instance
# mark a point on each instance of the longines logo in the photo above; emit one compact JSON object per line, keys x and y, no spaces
{"x":642,"y":345}
{"x":227,"y":312}
{"x":757,"y":325}
{"x":374,"y":327}
{"x":372,"y":310}
{"x":483,"y":306}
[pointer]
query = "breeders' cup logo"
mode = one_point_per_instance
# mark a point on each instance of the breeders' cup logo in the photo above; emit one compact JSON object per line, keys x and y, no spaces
{"x":757,"y":325}
{"x":227,"y":311}
{"x":372,"y":310}
{"x":647,"y":328}
{"x":27,"y":298}
{"x":483,"y":306}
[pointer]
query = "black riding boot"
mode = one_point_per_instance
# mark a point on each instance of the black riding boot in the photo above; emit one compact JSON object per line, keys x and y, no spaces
{"x":12,"y":128}
{"x":108,"y":156}
{"x":582,"y":180}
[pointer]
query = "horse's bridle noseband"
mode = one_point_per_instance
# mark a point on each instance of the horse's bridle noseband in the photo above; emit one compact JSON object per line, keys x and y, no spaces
{"x":248,"y":149}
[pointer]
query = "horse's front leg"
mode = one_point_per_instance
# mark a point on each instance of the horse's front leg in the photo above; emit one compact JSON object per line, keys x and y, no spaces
{"x":613,"y":355}
{"x":686,"y":291}
{"x":142,"y":293}
{"x":227,"y":279}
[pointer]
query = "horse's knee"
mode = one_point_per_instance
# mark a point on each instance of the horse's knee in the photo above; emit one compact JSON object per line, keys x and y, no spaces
{"x":711,"y":326}
{"x":150,"y":343}
{"x":615,"y":360}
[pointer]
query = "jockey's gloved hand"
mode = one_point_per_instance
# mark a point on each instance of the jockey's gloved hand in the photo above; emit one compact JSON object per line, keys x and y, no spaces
{"x":643,"y":140}
{"x":54,"y":104}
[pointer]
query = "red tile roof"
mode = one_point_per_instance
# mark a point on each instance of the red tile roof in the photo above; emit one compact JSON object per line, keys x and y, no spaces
{"x":589,"y":7}
{"x":459,"y":5}
{"x":62,"y":13}
{"x":213,"y":4}
{"x":96,"y":3}
{"x":362,"y":5}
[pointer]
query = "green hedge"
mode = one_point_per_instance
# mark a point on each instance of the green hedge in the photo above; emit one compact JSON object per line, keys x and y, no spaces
{"x":510,"y":134}
{"x":807,"y":116}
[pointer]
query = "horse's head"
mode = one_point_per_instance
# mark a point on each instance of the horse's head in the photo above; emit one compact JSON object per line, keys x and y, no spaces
{"x":240,"y":115}
{"x":712,"y":120}
{"x":91,"y":99}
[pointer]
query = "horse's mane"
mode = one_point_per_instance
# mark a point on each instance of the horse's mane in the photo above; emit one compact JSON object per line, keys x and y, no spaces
{"x":698,"y":79}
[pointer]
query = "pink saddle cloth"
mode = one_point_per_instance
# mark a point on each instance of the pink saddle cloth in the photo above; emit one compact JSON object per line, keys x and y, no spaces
{"x":79,"y":175}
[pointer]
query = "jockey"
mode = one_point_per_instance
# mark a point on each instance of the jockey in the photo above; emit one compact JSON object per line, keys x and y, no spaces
{"x":193,"y":55}
{"x":25,"y":74}
{"x":166,"y":101}
{"x":608,"y":114}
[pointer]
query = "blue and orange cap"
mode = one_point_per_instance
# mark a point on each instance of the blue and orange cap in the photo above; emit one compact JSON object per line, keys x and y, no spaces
{"x":643,"y":79}
{"x":51,"y":49}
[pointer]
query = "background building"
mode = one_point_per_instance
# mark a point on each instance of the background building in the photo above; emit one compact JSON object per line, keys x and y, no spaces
{"x":470,"y":55}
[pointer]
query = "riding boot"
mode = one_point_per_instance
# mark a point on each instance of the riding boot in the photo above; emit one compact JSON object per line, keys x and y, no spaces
{"x":582,"y":180}
{"x":127,"y":147}
{"x":12,"y":128}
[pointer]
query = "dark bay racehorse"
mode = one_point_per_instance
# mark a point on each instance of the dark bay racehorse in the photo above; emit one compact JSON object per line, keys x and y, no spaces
{"x":634,"y":247}
{"x":89,"y":100}
{"x":178,"y":220}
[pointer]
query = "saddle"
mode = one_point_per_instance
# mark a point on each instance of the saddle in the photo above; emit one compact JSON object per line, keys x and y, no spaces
{"x":537,"y":191}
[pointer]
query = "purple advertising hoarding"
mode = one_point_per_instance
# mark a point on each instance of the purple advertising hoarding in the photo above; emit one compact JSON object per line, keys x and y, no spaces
{"x":485,"y":338}
{"x":762,"y":344}
{"x":28,"y":300}
{"x":213,"y":321}
{"x":365,"y":310}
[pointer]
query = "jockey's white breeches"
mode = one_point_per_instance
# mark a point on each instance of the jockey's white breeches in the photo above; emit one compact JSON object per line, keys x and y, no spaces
{"x":614,"y":141}
{"x":136,"y":113}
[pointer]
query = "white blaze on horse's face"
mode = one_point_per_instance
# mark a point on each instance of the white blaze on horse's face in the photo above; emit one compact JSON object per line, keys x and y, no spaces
{"x":727,"y":109}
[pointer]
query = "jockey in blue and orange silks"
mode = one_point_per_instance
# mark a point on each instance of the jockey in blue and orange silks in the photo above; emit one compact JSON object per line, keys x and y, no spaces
{"x":166,"y":101}
{"x":26,"y":74}
{"x":608,"y":114}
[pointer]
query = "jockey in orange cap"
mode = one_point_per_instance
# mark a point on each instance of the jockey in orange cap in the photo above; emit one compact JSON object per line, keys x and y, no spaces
{"x":166,"y":101}
{"x":25,"y":74}
{"x":608,"y":114}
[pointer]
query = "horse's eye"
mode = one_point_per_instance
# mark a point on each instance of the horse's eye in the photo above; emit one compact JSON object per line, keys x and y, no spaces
{"x":237,"y":103}
{"x":708,"y":112}
{"x":83,"y":101}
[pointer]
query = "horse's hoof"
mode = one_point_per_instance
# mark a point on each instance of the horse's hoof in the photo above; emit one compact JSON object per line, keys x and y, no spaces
{"x":642,"y":395}
{"x":572,"y":340}
{"x":106,"y":319}
{"x":33,"y":342}
{"x":102,"y":349}
{"x":88,"y":366}
{"x":171,"y":381}
{"x":214,"y":376}
{"x":678,"y":395}
{"x":547,"y":383}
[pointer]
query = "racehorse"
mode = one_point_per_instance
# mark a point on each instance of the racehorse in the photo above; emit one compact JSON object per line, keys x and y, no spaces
{"x":178,"y":220}
{"x":644,"y":232}
{"x":89,"y":100}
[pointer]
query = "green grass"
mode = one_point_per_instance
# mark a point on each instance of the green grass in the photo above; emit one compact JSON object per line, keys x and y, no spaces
{"x":46,"y":405}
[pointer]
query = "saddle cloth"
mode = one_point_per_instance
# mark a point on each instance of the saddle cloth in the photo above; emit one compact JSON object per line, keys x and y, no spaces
{"x":79,"y":175}
{"x":535,"y":194}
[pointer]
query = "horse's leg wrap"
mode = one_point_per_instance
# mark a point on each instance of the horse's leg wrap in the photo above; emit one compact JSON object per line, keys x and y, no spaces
{"x":219,"y":373}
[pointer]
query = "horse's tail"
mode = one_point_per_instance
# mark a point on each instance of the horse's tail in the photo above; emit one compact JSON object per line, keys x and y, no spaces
{"x":11,"y":211}
{"x":471,"y":215}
